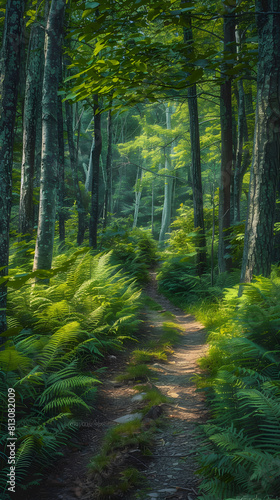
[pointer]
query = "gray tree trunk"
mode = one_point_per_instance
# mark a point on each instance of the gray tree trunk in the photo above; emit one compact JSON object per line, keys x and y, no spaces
{"x":166,"y":211}
{"x":74,"y":167}
{"x":138,"y":192}
{"x":258,"y":241}
{"x":61,"y":181}
{"x":224,"y":259}
{"x":196,"y":165}
{"x":32,"y":103}
{"x":88,"y":181}
{"x":94,"y":209}
{"x":108,"y":189}
{"x":242,"y":160}
{"x":10,"y":63}
{"x":49,"y":174}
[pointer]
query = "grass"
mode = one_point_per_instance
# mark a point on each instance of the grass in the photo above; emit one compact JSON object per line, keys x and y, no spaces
{"x":140,"y":356}
{"x":171,"y":334}
{"x":150,"y":303}
{"x":135,"y":372}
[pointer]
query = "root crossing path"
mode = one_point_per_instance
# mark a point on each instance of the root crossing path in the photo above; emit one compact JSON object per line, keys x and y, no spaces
{"x":170,"y":472}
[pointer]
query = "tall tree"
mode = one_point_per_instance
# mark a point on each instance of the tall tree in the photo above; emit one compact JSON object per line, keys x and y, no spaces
{"x":32,"y":103}
{"x":48,"y":188}
{"x":242,"y":160}
{"x":258,"y":241}
{"x":168,"y":182}
{"x":61,"y":179}
{"x":108,"y":185}
{"x":10,"y":63}
{"x":73,"y":150}
{"x":96,"y":152}
{"x":196,"y":163}
{"x":224,"y":259}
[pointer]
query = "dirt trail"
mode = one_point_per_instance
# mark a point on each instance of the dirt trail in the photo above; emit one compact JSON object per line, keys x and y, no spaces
{"x":170,"y":471}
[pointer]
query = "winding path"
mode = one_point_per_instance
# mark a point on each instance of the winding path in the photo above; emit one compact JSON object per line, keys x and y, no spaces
{"x":170,"y":472}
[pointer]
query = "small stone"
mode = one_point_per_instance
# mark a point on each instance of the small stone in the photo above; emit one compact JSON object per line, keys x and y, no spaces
{"x":175,"y":463}
{"x":138,"y":397}
{"x":152,"y":495}
{"x":128,"y":418}
{"x":168,"y":490}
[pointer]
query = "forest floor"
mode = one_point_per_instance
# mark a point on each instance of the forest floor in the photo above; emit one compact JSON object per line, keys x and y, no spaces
{"x":170,"y":471}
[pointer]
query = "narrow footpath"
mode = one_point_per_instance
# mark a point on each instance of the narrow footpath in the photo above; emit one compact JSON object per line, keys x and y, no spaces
{"x":170,"y":472}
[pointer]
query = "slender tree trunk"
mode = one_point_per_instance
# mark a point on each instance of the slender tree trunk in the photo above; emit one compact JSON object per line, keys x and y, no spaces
{"x":32,"y":103}
{"x":95,"y":177}
{"x":196,"y":165}
{"x":224,"y":258}
{"x":242,"y":156}
{"x":61,"y":180}
{"x":48,"y":188}
{"x":138,"y":192}
{"x":152,"y":209}
{"x":108,"y":193}
{"x":166,"y":211}
{"x":88,"y":181}
{"x":10,"y":63}
{"x":74,"y":168}
{"x":258,"y":241}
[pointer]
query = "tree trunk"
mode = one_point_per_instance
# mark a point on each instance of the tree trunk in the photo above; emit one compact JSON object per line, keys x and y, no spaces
{"x":74,"y":168}
{"x":47,"y":207}
{"x":108,"y":192}
{"x":196,"y":165}
{"x":138,"y":192}
{"x":32,"y":102}
{"x":95,"y":175}
{"x":166,"y":211}
{"x":224,"y":258}
{"x":242,"y":156}
{"x":88,"y":181}
{"x":10,"y":62}
{"x":258,"y":241}
{"x":61,"y":180}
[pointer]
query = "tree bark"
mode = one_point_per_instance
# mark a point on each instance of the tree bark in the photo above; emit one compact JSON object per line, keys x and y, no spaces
{"x":166,"y":211}
{"x":61,"y":180}
{"x":48,"y":188}
{"x":138,"y":192}
{"x":264,"y":177}
{"x":196,"y":165}
{"x":242,"y":161}
{"x":108,"y":192}
{"x":10,"y":63}
{"x":224,"y":259}
{"x":32,"y":102}
{"x":74,"y":168}
{"x":93,"y":224}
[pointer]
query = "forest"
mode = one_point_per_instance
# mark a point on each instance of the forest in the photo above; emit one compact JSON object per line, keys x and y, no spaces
{"x":139,"y":137}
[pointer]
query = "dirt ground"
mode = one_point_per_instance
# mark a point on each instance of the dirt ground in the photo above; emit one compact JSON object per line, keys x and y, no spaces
{"x":170,"y":471}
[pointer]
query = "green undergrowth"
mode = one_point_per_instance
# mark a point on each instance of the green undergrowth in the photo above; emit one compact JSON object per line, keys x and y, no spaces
{"x":57,"y":337}
{"x":154,"y":350}
{"x":240,"y":457}
{"x":123,"y":445}
{"x":134,"y":249}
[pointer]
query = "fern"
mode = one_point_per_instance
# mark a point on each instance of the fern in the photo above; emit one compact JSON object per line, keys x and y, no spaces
{"x":55,"y":332}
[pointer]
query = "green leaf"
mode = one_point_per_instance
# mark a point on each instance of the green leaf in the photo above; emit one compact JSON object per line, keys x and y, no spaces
{"x":92,"y":5}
